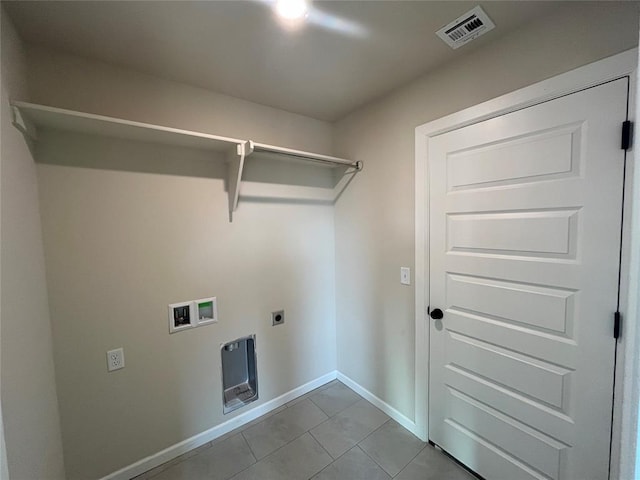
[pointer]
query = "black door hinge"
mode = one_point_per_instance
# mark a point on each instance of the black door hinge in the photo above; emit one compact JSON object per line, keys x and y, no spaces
{"x":627,"y":135}
{"x":617,"y":324}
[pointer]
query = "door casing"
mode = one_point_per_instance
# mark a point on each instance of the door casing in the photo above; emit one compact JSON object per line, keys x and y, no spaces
{"x":611,"y":68}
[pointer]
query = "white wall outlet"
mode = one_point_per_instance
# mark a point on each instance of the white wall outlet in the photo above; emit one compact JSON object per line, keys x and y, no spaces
{"x":115,"y":359}
{"x":405,"y":275}
{"x":206,"y":310}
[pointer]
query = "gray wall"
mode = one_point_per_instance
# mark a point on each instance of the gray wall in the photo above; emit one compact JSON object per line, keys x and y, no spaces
{"x":130,"y":228}
{"x":375,"y":217}
{"x":29,"y":402}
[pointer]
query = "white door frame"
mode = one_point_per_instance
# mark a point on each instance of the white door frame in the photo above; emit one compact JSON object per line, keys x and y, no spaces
{"x":628,"y":360}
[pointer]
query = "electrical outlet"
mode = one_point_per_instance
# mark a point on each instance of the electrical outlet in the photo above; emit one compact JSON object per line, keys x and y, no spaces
{"x":277,"y":318}
{"x":115,"y":359}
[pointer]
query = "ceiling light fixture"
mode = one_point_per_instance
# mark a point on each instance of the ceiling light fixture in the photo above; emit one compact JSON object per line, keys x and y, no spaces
{"x":292,"y":9}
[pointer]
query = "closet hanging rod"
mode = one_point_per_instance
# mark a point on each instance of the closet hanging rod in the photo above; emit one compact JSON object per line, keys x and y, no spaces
{"x":254,"y":147}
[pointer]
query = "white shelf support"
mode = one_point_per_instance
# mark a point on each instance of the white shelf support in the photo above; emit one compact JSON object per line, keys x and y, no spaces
{"x":25,"y":126}
{"x":235,"y":165}
{"x":30,"y":119}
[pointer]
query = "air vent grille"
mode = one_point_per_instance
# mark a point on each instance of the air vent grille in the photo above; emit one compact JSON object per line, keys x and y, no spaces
{"x":466,"y":28}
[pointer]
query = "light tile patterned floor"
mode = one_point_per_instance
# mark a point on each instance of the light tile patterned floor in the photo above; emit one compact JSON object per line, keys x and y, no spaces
{"x":330,"y":433}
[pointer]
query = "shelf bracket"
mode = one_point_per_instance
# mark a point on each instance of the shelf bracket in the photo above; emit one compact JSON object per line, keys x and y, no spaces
{"x":235,"y":164}
{"x":27,"y":128}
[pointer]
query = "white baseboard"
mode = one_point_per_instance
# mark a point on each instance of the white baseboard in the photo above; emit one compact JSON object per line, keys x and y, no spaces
{"x":381,"y":404}
{"x":200,"y":439}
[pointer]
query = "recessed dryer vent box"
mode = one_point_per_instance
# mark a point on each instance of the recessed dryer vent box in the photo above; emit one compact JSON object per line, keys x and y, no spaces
{"x":239,"y":373}
{"x":181,"y":316}
{"x":207,"y":310}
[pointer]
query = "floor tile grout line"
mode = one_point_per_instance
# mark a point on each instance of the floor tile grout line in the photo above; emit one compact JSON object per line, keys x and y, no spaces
{"x":415,"y":456}
{"x":284,"y":408}
{"x":357,"y":444}
{"x":249,"y":445}
{"x":308,"y":395}
{"x":308,"y":430}
{"x":176,"y":461}
{"x":377,"y":463}
{"x":287,"y":405}
{"x":367,"y":453}
{"x":311,"y":400}
{"x":333,"y":460}
{"x":255,"y":459}
{"x":249,"y":466}
{"x":278,"y":449}
{"x":321,"y":445}
{"x":270,"y":417}
{"x":369,"y":456}
{"x":374,"y":431}
{"x":339,"y":412}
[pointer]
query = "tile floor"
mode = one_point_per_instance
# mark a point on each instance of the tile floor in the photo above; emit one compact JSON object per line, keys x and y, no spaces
{"x":330,"y":433}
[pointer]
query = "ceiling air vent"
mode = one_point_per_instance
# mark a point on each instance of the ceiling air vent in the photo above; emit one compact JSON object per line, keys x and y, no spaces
{"x":466,"y":28}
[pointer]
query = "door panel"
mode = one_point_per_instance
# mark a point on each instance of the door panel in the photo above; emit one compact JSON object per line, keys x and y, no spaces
{"x":525,"y":213}
{"x":534,"y":307}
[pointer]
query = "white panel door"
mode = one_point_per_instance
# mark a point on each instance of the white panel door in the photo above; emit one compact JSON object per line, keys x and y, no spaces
{"x":525,"y":220}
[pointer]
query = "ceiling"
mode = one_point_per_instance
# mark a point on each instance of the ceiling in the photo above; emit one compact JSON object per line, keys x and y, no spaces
{"x":346,"y":54}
